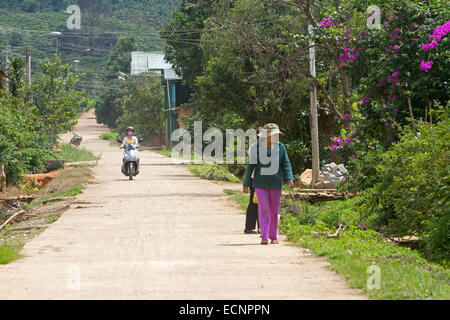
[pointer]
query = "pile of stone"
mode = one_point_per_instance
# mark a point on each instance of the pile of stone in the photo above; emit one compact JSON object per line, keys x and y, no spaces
{"x":330,"y":175}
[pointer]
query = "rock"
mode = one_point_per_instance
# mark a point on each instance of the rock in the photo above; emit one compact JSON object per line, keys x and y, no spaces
{"x":306,"y":177}
{"x":343,"y":170}
{"x":331,"y":176}
{"x":331,"y":165}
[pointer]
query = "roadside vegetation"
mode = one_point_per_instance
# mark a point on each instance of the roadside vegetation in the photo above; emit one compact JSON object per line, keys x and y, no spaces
{"x":69,"y":153}
{"x":40,"y":112}
{"x":212,"y":171}
{"x":404,"y":272}
{"x":109,"y":136}
{"x":10,"y":252}
{"x":55,"y":196}
{"x":68,"y":183}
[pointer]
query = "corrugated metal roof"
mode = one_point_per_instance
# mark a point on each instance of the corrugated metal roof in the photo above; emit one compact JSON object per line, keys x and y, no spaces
{"x":144,"y":61}
{"x":156,"y":61}
{"x":169,"y":74}
{"x":139,"y":62}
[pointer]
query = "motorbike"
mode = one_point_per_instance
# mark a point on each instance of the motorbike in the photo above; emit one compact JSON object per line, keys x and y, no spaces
{"x":76,"y":139}
{"x":130,"y":166}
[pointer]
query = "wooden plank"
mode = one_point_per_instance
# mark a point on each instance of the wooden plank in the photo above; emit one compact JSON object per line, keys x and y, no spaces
{"x":11,"y":218}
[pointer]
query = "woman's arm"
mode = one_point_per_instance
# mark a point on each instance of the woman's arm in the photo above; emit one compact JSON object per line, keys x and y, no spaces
{"x":286,"y":166}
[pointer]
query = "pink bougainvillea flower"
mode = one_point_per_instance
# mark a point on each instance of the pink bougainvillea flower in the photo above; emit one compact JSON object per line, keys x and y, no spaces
{"x":365,"y":100}
{"x":326,"y":22}
{"x":425,"y":66}
{"x":437,"y":35}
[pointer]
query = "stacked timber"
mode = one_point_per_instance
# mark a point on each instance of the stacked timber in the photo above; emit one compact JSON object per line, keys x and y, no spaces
{"x":318,"y":195}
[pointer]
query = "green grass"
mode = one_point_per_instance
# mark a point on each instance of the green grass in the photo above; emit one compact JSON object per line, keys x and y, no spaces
{"x":110,"y":136}
{"x":53,"y":217}
{"x":9,"y":252}
{"x":70,"y":153}
{"x":167,"y":152}
{"x":239,"y":197}
{"x":69,"y":192}
{"x":404,"y":273}
{"x":213,"y":172}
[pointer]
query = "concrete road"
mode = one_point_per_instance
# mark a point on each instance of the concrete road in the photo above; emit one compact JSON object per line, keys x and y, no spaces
{"x":165,"y":235}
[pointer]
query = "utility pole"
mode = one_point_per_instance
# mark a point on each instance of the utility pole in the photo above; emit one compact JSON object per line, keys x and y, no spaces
{"x":57,"y":34}
{"x":27,"y":66}
{"x":313,"y":121}
{"x":7,"y":53}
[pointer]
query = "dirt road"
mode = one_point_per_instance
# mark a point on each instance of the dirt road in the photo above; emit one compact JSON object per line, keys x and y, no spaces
{"x":166,"y":235}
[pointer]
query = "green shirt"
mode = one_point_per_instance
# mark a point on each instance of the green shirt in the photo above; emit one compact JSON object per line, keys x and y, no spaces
{"x":261,"y":179}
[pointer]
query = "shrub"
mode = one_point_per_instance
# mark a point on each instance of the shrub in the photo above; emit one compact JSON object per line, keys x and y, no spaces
{"x":23,"y":146}
{"x":412,"y":190}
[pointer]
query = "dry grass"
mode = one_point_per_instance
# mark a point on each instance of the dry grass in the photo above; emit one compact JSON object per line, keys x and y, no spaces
{"x":69,"y":178}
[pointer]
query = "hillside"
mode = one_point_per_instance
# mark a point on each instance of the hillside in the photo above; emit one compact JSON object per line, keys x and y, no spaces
{"x":29,"y":22}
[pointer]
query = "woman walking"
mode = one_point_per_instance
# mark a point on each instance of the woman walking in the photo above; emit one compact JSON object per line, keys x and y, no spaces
{"x":267,"y":182}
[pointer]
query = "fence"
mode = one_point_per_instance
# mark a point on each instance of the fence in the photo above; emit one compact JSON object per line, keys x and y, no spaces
{"x":328,"y":155}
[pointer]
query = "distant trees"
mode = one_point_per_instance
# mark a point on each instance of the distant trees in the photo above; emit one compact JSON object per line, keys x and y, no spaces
{"x":92,"y":11}
{"x":120,"y":56}
{"x":143,"y":105}
{"x":139,"y":102}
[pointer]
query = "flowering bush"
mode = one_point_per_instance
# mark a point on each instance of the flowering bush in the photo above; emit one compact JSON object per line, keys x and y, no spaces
{"x":408,"y":70}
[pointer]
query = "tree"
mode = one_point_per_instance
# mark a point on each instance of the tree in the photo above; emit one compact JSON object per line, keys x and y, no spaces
{"x":93,"y":11}
{"x":183,"y":35}
{"x":57,"y":103}
{"x":143,"y":105}
{"x":120,"y":56}
{"x":16,"y":76}
{"x":109,"y":107}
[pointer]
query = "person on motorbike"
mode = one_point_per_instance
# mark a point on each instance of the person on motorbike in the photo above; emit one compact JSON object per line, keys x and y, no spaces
{"x":130,"y":139}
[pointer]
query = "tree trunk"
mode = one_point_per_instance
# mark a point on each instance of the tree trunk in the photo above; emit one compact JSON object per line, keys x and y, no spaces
{"x":2,"y":178}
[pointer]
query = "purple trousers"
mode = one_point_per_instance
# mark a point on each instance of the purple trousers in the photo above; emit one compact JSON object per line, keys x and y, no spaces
{"x":268,"y":207}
